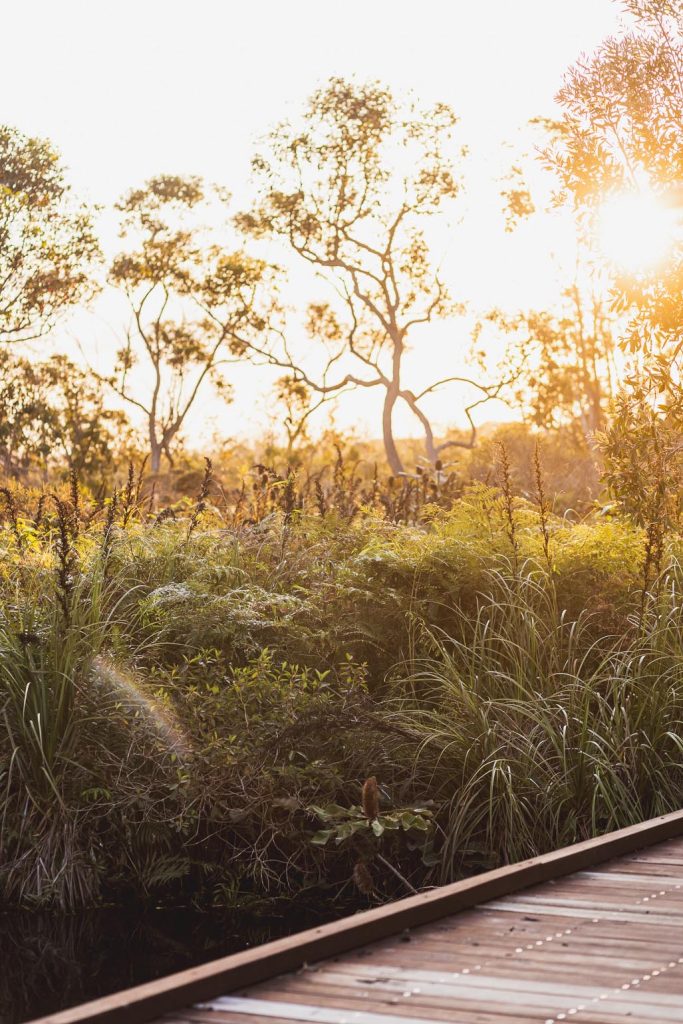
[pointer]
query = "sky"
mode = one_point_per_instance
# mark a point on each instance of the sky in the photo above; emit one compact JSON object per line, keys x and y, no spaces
{"x":126,"y":90}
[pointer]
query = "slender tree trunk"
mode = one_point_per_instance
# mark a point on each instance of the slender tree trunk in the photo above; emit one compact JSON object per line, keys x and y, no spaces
{"x":431,"y":450}
{"x":596,"y":405}
{"x":155,"y":458}
{"x":393,"y":458}
{"x":430,"y":447}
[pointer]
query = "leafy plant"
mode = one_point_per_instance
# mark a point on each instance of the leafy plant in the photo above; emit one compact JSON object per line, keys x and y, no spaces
{"x":364,"y":825}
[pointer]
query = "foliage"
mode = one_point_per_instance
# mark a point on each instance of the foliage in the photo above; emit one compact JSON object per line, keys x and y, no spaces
{"x":531,"y":737}
{"x":570,"y":361}
{"x":621,"y":133}
{"x":183,"y":697}
{"x":55,"y":416}
{"x":192,"y":302}
{"x":623,"y":107}
{"x":572,"y":464}
{"x":333,"y":189}
{"x":435,"y":667}
{"x":47,"y":244}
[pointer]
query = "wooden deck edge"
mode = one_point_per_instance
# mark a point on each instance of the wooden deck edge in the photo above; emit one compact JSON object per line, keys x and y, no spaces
{"x":218,"y":977}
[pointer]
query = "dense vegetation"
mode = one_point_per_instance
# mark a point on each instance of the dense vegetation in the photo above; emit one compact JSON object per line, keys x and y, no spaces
{"x":196,"y":700}
{"x":292,"y":675}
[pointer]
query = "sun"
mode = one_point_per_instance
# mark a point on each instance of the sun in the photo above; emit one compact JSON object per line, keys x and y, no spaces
{"x":636,"y":231}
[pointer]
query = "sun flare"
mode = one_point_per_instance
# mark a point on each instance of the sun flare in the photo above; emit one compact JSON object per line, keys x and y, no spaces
{"x":636,"y":230}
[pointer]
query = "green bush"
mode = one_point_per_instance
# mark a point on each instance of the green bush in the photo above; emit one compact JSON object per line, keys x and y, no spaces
{"x":178,"y":696}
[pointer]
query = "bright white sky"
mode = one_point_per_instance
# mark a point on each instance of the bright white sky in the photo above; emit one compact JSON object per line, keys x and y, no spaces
{"x":131,"y":88}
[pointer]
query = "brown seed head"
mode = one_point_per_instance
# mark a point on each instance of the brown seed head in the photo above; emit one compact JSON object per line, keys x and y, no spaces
{"x":370,"y":798}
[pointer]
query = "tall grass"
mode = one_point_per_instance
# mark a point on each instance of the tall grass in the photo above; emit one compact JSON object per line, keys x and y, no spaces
{"x":59,"y":716}
{"x":530,"y":734}
{"x":178,"y":690}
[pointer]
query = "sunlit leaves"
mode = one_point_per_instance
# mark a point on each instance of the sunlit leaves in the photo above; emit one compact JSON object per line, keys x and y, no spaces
{"x":193,"y":301}
{"x":623,"y":134}
{"x":348,"y":189}
{"x":54,"y":411}
{"x":47,"y":245}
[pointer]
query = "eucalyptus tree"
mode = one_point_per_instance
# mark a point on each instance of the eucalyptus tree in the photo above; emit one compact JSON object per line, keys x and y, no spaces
{"x":622,"y":134}
{"x":350,"y":189}
{"x":171,"y":261}
{"x":48,"y":247}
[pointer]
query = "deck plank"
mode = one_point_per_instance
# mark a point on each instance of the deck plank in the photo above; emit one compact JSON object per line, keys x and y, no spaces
{"x":592,"y":934}
{"x":590,"y":970}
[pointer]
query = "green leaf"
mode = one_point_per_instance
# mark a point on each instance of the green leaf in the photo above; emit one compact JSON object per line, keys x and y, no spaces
{"x":331,"y":811}
{"x":320,"y":838}
{"x":389,"y":821}
{"x":349,"y":828}
{"x":410,"y":820}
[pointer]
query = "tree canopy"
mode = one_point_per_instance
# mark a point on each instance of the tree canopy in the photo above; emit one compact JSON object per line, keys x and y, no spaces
{"x":622,"y":133}
{"x":55,"y":415}
{"x":332,"y":188}
{"x":47,"y":242}
{"x":193,"y":303}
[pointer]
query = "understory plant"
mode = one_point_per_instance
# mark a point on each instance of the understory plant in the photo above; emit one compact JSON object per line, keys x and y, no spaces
{"x":190,"y":704}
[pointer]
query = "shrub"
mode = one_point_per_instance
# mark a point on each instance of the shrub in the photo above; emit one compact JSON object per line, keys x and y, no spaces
{"x":179,"y":693}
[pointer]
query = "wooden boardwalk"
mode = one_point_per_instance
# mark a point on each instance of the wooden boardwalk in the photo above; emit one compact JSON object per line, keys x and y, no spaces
{"x":593,"y":933}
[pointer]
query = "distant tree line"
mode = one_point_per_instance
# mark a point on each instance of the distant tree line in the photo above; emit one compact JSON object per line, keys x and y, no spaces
{"x":350,"y":189}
